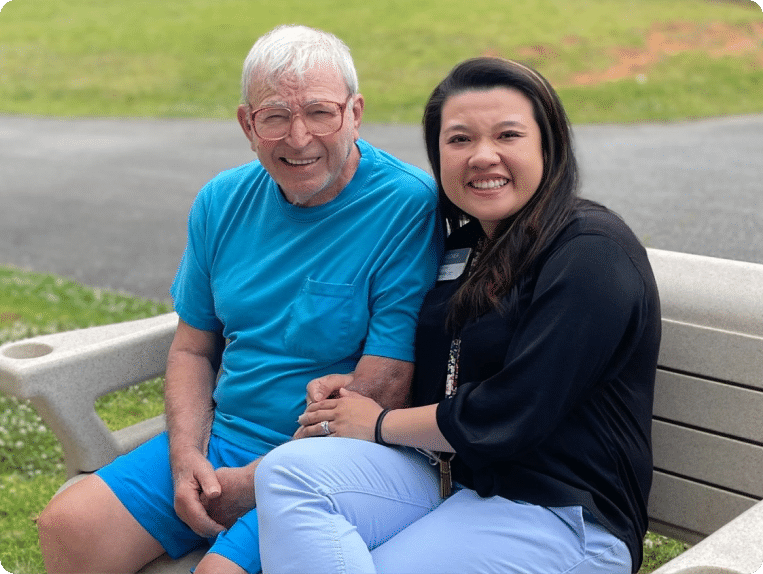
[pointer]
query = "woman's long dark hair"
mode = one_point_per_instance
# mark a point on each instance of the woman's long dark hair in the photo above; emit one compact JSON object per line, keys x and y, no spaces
{"x":519,"y":239}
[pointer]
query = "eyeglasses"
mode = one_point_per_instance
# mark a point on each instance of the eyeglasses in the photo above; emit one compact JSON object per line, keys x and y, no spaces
{"x":321,"y":119}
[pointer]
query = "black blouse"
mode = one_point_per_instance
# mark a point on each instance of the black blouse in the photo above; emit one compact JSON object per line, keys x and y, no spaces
{"x":554,"y":402}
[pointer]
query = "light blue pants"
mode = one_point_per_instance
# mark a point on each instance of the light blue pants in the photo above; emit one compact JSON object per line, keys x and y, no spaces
{"x":344,"y":505}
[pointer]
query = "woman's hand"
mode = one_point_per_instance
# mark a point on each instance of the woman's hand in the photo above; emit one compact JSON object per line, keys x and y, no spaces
{"x":351,"y":415}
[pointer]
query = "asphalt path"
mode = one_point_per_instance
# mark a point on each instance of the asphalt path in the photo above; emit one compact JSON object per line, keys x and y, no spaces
{"x":105,"y":201}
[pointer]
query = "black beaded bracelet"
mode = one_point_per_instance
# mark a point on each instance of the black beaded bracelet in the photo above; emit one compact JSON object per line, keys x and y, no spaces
{"x":377,"y":433}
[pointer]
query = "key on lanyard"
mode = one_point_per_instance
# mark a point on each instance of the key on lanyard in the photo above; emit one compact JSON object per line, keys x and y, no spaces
{"x":446,"y":482}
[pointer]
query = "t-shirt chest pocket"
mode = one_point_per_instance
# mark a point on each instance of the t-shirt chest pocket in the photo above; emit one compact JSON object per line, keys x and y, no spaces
{"x":326,"y":323}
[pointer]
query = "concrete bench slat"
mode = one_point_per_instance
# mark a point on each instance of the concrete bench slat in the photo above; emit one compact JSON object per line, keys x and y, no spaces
{"x":713,"y":459}
{"x":710,"y":405}
{"x":689,"y":511}
{"x":712,"y":353}
{"x":716,"y":293}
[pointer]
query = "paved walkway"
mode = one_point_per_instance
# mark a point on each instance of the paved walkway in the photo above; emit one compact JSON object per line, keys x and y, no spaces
{"x":105,"y":201}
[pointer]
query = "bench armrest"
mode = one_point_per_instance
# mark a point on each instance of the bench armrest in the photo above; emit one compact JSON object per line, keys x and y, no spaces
{"x":62,"y":375}
{"x":733,"y":549}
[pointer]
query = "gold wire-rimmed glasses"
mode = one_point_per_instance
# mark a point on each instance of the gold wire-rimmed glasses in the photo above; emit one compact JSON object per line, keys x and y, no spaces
{"x":321,"y":118}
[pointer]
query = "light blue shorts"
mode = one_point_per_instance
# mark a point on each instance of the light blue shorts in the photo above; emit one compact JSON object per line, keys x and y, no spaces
{"x":142,"y":481}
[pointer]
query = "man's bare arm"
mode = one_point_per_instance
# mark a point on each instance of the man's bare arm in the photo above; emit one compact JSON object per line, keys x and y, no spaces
{"x":387,"y":381}
{"x":189,"y":384}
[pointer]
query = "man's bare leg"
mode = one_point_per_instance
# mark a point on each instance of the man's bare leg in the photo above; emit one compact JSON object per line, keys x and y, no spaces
{"x":216,"y":564}
{"x":87,"y":529}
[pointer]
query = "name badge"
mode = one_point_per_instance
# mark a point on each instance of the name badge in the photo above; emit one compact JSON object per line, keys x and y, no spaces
{"x":453,"y":264}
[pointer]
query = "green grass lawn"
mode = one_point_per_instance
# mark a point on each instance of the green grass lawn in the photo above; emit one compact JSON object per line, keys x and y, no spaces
{"x":611,"y":60}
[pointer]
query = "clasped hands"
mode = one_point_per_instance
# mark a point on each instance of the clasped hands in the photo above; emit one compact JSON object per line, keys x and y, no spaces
{"x":331,"y":406}
{"x":210,"y":501}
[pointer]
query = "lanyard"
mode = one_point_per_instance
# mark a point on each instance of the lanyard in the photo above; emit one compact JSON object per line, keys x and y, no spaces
{"x":451,"y":385}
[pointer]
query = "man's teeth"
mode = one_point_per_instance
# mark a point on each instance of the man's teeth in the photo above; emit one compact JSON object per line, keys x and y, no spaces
{"x":491,"y":184}
{"x":299,"y":161}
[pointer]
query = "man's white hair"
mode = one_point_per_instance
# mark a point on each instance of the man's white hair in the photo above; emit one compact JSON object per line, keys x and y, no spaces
{"x":290,"y":51}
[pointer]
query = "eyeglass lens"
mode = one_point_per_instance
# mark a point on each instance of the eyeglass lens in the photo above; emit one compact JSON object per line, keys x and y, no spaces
{"x":321,"y":119}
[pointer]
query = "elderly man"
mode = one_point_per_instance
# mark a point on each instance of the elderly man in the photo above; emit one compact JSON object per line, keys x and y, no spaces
{"x":312,"y":260}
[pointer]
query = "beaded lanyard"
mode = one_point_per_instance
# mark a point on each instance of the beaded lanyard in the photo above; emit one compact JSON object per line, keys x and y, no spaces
{"x":451,"y":385}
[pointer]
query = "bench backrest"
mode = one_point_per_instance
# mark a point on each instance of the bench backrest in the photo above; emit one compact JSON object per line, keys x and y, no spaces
{"x":708,"y":413}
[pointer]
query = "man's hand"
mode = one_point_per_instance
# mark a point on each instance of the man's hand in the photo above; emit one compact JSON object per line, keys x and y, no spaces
{"x":386,"y":381}
{"x":195,"y":480}
{"x":236,"y":497}
{"x":327,"y":387}
{"x":189,"y":383}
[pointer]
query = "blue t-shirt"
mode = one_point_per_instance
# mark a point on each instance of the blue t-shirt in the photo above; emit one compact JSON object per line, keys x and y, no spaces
{"x":300,"y":292}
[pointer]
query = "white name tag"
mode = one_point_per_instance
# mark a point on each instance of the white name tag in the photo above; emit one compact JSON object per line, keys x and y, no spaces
{"x":453,"y":264}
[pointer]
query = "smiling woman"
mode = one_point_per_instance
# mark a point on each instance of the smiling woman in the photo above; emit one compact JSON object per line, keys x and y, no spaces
{"x":491,"y":153}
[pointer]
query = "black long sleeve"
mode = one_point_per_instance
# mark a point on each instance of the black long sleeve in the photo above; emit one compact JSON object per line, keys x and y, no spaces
{"x":554,"y":402}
